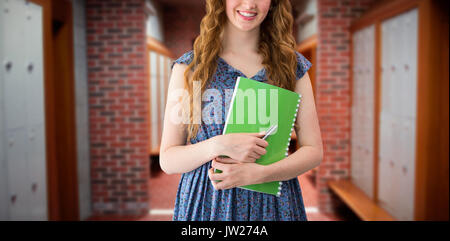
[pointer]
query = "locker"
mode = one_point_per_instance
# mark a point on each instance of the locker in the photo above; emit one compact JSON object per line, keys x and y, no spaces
{"x":153,"y":99}
{"x":162,"y":90}
{"x":159,"y":79}
{"x":362,"y":109}
{"x":3,"y":177}
{"x":35,"y":118}
{"x":22,"y":113}
{"x":398,"y":115}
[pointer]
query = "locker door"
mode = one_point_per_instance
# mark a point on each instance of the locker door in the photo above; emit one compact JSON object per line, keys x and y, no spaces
{"x":34,"y":92}
{"x":159,"y":81}
{"x":3,"y":172}
{"x":355,"y":148}
{"x":153,"y":100}
{"x":22,"y":94}
{"x":162,"y":91}
{"x":398,"y":115}
{"x":385,"y":139}
{"x":363,"y":108}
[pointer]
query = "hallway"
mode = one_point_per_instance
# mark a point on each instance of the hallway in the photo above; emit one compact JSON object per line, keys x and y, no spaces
{"x":362,"y":176}
{"x":84,"y":87}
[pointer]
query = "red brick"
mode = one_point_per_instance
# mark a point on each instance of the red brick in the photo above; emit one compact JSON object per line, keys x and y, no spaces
{"x":333,"y":91}
{"x":112,"y":26}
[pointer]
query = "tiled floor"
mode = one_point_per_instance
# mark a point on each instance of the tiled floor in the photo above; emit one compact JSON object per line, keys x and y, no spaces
{"x":310,"y":199}
{"x":163,"y":190}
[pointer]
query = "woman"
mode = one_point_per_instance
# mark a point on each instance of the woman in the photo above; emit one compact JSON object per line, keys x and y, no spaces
{"x":249,"y":38}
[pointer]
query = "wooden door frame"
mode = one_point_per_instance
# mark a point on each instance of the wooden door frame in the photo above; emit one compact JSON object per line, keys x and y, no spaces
{"x":59,"y":95}
{"x":310,"y":44}
{"x":432,"y":165}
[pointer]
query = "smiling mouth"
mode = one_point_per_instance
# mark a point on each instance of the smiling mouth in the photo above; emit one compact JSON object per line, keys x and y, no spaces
{"x":247,"y":14}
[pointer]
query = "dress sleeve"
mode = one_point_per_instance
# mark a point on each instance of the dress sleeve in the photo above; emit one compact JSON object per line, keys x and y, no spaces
{"x":186,"y":58}
{"x":303,"y":65}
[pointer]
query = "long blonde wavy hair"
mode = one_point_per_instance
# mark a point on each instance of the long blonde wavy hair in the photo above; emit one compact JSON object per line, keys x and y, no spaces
{"x":276,"y":46}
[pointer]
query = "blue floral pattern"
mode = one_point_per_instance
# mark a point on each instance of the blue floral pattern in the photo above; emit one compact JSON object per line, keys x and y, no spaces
{"x":197,"y":200}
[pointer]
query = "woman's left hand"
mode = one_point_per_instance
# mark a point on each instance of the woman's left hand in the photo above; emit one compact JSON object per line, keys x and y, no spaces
{"x":235,"y":174}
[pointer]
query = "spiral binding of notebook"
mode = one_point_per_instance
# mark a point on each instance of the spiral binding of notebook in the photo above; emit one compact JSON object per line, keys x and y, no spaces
{"x":289,"y":140}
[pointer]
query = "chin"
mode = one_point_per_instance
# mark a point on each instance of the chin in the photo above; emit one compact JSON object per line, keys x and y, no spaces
{"x":246,"y":27}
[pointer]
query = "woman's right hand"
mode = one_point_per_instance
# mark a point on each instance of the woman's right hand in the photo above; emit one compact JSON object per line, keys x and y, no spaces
{"x":242,"y":147}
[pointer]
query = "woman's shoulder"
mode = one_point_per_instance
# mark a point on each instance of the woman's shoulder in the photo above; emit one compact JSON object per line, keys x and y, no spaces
{"x":303,"y":65}
{"x":186,"y":58}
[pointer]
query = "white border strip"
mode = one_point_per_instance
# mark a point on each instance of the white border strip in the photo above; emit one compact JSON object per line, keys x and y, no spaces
{"x":161,"y":212}
{"x":311,"y":209}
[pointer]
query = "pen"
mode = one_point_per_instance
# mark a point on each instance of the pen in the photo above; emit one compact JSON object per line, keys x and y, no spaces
{"x":270,"y":131}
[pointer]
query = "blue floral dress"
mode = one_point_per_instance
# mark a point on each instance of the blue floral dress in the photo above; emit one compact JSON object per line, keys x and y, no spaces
{"x":197,"y":200}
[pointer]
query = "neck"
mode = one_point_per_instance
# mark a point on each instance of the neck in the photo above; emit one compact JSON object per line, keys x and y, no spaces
{"x":238,"y":41}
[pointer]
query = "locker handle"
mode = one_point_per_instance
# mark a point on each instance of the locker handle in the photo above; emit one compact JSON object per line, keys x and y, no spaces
{"x":8,"y":65}
{"x":34,"y":187}
{"x":30,"y":67}
{"x":13,"y":198}
{"x":404,"y":170}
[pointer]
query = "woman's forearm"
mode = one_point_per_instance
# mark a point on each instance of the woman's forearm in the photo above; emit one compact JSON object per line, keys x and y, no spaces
{"x":299,"y":162}
{"x":185,"y":158}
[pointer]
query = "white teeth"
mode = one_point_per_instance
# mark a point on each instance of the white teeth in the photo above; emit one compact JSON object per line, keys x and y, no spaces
{"x":247,"y":14}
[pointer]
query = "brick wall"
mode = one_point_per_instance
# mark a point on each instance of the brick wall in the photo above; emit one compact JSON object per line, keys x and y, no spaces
{"x":118,"y":97}
{"x":181,"y":27}
{"x":333,"y":90}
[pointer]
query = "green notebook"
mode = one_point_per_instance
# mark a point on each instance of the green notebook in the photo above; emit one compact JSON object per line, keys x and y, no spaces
{"x":256,"y":106}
